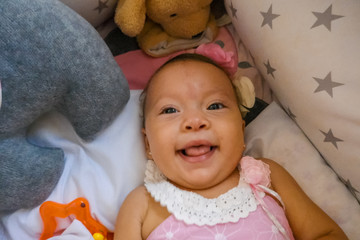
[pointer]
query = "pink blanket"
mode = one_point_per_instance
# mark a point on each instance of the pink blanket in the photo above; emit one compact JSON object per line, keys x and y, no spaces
{"x":139,"y":67}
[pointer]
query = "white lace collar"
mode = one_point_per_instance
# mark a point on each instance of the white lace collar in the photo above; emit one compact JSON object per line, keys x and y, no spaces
{"x":192,"y":208}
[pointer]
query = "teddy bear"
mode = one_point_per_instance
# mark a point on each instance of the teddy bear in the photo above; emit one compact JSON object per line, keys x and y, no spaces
{"x":166,"y":26}
{"x":51,"y":59}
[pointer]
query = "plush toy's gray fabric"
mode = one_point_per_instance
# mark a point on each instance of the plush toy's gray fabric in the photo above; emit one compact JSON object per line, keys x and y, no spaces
{"x":50,"y":58}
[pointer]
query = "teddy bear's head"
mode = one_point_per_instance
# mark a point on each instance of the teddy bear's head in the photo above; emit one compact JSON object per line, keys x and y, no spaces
{"x":166,"y":26}
{"x":181,"y":19}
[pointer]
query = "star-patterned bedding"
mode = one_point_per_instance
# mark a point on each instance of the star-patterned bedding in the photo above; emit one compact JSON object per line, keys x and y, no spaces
{"x":303,"y":57}
{"x":309,"y":54}
{"x":96,"y":12}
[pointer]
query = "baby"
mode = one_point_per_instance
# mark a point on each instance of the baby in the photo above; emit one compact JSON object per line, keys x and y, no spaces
{"x":198,"y":185}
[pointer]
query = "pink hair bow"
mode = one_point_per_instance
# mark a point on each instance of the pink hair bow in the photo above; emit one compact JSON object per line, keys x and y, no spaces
{"x":226,"y":60}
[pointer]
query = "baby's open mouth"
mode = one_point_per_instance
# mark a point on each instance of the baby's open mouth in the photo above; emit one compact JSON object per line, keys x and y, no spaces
{"x":196,"y":151}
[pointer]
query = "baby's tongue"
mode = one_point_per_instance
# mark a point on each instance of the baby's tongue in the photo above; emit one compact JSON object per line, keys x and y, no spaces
{"x":196,"y":151}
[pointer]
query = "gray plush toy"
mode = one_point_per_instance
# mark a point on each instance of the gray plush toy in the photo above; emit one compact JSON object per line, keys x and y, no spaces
{"x":50,"y":58}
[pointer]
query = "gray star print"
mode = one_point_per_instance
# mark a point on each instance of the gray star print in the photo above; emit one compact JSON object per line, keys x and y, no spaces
{"x":268,"y":17}
{"x":269,"y":69}
{"x":101,"y":6}
{"x":349,"y":186}
{"x":325,"y":18}
{"x":326,"y":84}
{"x":329,"y":137}
{"x":233,"y":11}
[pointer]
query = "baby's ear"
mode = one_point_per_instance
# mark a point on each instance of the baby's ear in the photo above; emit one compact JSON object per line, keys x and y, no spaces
{"x":147,"y":145}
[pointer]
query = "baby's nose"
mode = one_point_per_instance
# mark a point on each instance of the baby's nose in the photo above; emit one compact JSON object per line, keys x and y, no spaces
{"x":195,"y":126}
{"x":195,"y":123}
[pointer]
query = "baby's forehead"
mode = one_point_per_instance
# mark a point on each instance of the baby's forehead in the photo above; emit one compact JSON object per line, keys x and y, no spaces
{"x":196,"y":75}
{"x":187,"y":67}
{"x":168,"y":74}
{"x":188,"y":63}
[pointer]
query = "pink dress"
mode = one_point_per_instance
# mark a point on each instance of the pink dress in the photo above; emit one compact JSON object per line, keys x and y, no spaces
{"x":238,"y":214}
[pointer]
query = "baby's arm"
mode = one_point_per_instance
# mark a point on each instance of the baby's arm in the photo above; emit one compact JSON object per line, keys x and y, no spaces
{"x":306,"y":219}
{"x":131,"y":215}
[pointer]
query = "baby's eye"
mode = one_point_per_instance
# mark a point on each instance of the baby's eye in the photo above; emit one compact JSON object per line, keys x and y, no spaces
{"x":216,"y":106}
{"x":169,"y":110}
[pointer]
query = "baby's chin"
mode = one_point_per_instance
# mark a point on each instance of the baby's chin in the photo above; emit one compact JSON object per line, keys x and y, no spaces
{"x":193,"y":186}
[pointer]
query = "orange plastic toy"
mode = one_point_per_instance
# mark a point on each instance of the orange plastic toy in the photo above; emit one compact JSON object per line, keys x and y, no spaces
{"x":80,"y":209}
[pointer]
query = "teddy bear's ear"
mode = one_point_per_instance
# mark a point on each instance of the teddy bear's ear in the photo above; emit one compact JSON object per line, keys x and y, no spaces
{"x":130,"y":16}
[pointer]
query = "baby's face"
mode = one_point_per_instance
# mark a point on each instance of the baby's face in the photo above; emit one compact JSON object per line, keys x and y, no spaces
{"x":193,"y":127}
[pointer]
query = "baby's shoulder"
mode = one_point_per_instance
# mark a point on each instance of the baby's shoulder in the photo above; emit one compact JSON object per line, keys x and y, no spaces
{"x":136,"y":201}
{"x":139,"y":194}
{"x":279,"y":174}
{"x":274,"y":166}
{"x":132,"y":214}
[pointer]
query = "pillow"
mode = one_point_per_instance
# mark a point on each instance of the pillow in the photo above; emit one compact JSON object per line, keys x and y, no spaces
{"x":247,"y":68}
{"x":308,"y":51}
{"x":96,"y":12}
{"x":103,"y":171}
{"x":274,"y":135}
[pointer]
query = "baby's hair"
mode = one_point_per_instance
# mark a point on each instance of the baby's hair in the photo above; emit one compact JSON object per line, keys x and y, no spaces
{"x":178,"y":58}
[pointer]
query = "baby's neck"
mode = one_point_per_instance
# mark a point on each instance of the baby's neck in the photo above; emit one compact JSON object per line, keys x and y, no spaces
{"x":214,"y":191}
